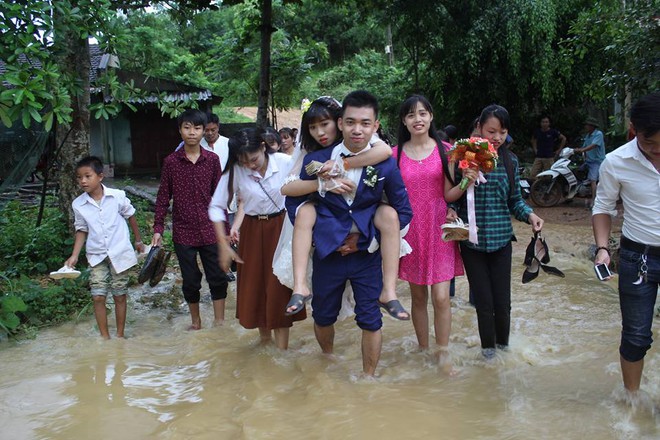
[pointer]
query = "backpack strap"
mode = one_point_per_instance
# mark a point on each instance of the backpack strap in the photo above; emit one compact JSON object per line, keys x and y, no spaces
{"x":507,"y":161}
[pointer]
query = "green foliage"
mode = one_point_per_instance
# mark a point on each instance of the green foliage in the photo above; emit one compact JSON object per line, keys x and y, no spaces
{"x":234,"y":57}
{"x":290,"y":65}
{"x":37,"y":304}
{"x":26,"y":249}
{"x":614,"y":48}
{"x":10,"y":306}
{"x":34,"y":44}
{"x":346,"y":28}
{"x":144,"y":216}
{"x":41,"y":90}
{"x":500,"y":51}
{"x":368,"y":70}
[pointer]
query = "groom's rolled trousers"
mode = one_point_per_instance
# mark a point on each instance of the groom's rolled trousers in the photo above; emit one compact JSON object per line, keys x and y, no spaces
{"x":334,"y":270}
{"x":337,"y":216}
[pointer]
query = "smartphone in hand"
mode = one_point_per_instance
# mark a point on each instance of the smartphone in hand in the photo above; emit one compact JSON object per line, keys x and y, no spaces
{"x":602,"y":271}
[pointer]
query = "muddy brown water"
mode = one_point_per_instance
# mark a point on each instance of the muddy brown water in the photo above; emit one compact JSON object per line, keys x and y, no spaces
{"x":561,"y":378}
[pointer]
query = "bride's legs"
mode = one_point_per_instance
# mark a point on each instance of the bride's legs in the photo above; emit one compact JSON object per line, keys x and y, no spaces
{"x":387,"y":222}
{"x":301,"y":245}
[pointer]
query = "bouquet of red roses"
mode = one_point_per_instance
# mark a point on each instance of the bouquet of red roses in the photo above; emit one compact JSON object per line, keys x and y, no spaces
{"x":476,"y":153}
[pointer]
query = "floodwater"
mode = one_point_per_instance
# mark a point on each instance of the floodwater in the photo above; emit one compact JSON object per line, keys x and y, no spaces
{"x":560,"y":380}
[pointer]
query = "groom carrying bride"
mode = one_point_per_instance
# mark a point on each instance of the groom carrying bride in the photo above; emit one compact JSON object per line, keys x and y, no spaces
{"x":339,"y":215}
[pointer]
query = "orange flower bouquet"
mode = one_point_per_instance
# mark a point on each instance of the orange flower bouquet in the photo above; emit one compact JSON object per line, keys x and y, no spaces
{"x":476,"y":153}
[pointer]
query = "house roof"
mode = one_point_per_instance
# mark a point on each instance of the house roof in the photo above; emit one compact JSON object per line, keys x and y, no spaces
{"x":154,"y":86}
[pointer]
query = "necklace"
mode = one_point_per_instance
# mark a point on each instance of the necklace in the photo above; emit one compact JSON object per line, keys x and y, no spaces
{"x":419,"y":152}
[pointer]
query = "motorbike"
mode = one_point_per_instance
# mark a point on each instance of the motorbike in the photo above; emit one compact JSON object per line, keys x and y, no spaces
{"x":566,"y":179}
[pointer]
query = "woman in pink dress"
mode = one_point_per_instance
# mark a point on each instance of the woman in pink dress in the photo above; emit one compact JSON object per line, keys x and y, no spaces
{"x":433,"y":262}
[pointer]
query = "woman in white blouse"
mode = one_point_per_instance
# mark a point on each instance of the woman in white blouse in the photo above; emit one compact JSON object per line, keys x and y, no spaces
{"x":255,"y":176}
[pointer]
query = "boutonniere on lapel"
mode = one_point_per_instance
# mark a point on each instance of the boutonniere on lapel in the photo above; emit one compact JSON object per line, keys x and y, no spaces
{"x":372,"y":176}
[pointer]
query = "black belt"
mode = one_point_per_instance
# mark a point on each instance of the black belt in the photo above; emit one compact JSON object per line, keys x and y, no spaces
{"x":267,"y":216}
{"x":639,"y":247}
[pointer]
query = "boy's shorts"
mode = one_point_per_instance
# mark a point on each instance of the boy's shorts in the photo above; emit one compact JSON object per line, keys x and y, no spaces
{"x":103,"y":280}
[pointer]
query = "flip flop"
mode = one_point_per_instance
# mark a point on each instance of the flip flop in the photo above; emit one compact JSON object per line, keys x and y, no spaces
{"x":298,"y":301}
{"x":65,"y":272}
{"x":393,"y":308}
{"x":154,"y":257}
{"x":159,"y":271}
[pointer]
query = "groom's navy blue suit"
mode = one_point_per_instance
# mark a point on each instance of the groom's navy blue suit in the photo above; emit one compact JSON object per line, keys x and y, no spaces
{"x":334,"y":220}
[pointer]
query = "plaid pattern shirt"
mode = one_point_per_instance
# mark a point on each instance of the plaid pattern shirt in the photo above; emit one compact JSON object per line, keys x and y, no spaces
{"x":494,"y":204}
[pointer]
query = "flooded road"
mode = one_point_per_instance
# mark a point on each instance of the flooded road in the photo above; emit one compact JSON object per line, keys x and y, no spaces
{"x":560,"y":380}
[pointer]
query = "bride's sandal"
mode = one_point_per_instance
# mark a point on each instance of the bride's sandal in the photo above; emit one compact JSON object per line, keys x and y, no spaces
{"x":297,"y":302}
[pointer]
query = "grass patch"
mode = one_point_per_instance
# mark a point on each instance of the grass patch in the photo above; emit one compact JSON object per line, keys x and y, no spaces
{"x":227,"y":115}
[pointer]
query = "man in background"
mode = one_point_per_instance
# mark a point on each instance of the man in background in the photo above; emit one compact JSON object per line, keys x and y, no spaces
{"x":594,"y":149}
{"x":546,"y":142}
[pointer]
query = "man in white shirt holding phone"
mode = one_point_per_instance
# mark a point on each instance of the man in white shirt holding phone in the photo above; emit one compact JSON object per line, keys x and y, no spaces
{"x":631,"y":172}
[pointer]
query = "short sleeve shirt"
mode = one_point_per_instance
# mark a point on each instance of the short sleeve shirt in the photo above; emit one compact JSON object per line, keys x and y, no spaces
{"x":545,"y":142}
{"x":106,"y":228}
{"x":595,"y":154}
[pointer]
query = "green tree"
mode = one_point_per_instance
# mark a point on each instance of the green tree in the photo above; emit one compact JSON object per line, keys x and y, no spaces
{"x":613,"y":48}
{"x":46,"y":47}
{"x":367,"y":70}
{"x":466,"y":55}
{"x":346,"y":28}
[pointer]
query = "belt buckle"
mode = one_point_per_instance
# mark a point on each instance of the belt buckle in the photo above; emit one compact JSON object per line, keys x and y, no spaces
{"x":262,"y":217}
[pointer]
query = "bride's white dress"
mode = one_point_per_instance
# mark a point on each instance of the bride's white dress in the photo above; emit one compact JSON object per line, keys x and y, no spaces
{"x":283,"y":257}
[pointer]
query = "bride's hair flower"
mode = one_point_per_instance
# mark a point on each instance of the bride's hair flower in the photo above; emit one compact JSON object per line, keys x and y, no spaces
{"x":304,"y":105}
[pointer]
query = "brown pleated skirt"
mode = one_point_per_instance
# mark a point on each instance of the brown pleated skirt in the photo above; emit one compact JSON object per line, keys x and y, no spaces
{"x":260,"y":298}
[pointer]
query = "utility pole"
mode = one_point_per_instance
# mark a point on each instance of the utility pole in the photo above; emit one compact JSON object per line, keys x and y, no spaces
{"x":389,"y":50}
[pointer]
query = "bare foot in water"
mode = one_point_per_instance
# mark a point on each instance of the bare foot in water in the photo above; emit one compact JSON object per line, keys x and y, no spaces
{"x":444,"y":361}
{"x":194,"y":327}
{"x":218,"y":323}
{"x":265,"y":336}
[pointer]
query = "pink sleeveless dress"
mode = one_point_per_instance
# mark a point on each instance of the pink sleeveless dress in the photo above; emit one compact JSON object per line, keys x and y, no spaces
{"x":432,"y":259}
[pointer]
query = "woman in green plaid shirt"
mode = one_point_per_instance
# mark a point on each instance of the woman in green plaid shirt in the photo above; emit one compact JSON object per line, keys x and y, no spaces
{"x":488,"y":262}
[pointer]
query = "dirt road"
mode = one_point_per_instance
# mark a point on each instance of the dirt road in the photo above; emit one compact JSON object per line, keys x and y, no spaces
{"x":289,"y":118}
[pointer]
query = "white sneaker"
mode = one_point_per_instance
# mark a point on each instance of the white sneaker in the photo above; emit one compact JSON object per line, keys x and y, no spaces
{"x":65,"y":272}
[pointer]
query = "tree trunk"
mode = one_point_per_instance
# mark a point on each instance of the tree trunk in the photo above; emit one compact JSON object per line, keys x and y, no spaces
{"x":75,"y":60}
{"x":264,"y":74}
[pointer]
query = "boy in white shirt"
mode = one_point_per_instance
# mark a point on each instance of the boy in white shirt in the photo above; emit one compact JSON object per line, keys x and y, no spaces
{"x":100,"y":220}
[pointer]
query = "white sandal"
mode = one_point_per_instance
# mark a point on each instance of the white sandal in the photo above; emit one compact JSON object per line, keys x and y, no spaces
{"x":65,"y":272}
{"x":455,"y":231}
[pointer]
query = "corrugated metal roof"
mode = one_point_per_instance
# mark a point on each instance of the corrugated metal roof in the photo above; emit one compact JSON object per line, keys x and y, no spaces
{"x":155,"y":86}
